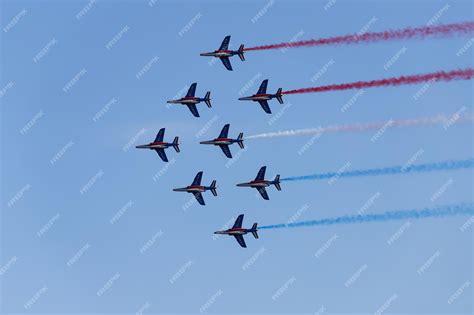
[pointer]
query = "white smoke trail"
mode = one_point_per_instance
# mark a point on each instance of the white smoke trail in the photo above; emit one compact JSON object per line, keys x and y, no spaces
{"x":446,"y":120}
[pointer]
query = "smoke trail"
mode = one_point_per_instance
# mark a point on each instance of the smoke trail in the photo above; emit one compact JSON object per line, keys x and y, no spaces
{"x":407,"y":33}
{"x":440,"y":211}
{"x":463,"y":74}
{"x":428,"y":167}
{"x":433,"y":120}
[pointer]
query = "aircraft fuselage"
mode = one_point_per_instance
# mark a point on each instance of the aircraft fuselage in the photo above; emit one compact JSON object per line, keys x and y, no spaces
{"x":154,"y":145}
{"x":235,"y":231}
{"x":220,"y":141}
{"x":256,"y":183}
{"x":258,"y":97}
{"x":220,"y":53}
{"x":192,"y":189}
{"x":186,"y":100}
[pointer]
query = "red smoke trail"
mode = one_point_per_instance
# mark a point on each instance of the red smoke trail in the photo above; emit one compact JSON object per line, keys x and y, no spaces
{"x":465,"y":74}
{"x":407,"y":33}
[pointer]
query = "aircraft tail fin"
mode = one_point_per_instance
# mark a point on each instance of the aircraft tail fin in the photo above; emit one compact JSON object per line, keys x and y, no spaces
{"x":176,"y":144}
{"x":207,"y":99}
{"x":240,"y":140}
{"x":214,"y":188}
{"x":276,"y":182}
{"x":279,"y":96}
{"x":254,"y":230}
{"x":241,"y":52}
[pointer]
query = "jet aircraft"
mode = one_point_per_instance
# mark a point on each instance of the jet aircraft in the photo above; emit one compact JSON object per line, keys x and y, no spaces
{"x":190,"y":100}
{"x":223,"y":141}
{"x":196,"y":188}
{"x":262,"y":97}
{"x":223,"y":53}
{"x":159,"y":146}
{"x":238,"y":232}
{"x":260,"y":183}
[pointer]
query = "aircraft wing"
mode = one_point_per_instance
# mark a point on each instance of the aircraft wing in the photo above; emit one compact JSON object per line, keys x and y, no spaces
{"x":199,"y":198}
{"x":193,"y":109}
{"x":225,"y":43}
{"x":192,"y":90}
{"x":263,"y":192}
{"x":225,"y":131}
{"x":197,"y":179}
{"x":226,"y":62}
{"x":265,"y":106}
{"x":162,"y":154}
{"x":226,"y":150}
{"x":240,"y":240}
{"x":263,"y":87}
{"x":238,"y":222}
{"x":261,"y":173}
{"x":160,"y":135}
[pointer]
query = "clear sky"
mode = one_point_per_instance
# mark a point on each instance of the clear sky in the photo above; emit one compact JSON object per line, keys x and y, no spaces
{"x":90,"y":224}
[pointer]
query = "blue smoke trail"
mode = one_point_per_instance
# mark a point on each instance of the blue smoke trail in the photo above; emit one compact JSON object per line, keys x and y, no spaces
{"x":428,"y":167}
{"x":440,"y":211}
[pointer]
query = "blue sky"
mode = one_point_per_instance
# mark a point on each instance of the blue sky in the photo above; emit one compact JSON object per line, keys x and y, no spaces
{"x":89,"y":226}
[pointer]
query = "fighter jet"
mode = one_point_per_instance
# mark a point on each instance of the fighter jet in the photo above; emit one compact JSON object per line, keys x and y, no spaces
{"x":223,"y":142}
{"x":223,"y":53}
{"x":190,"y":100}
{"x":262,"y":97}
{"x":196,"y":189}
{"x":159,"y":146}
{"x":260,"y":183}
{"x":237,"y":231}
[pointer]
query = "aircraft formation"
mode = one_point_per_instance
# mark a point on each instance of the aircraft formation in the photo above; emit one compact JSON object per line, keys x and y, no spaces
{"x":222,"y":141}
{"x":262,"y":97}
